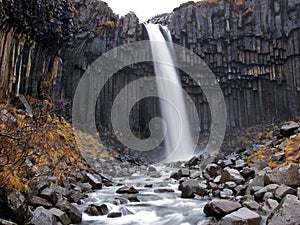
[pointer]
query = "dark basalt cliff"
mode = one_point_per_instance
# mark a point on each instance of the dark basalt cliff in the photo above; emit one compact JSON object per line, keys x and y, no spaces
{"x":252,"y":47}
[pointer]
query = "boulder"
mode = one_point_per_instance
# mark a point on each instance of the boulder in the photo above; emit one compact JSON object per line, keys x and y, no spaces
{"x":114,"y":214}
{"x":95,"y":182}
{"x":38,"y":201}
{"x":60,"y":215}
{"x":92,"y":210}
{"x":127,"y":190}
{"x":269,"y":206}
{"x":219,"y":208}
{"x":212,"y":169}
{"x":284,"y":190}
{"x":74,"y":214}
{"x":18,"y":206}
{"x":42,"y":216}
{"x":251,"y":204}
{"x":290,"y":129}
{"x":287,"y":213}
{"x":6,"y":222}
{"x":226,"y":193}
{"x":242,"y":216}
{"x":184,"y":172}
{"x":288,"y":175}
{"x":232,"y":175}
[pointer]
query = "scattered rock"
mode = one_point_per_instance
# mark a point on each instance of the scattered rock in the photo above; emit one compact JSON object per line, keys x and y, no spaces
{"x":232,"y":175}
{"x":242,"y":216}
{"x":42,"y":216}
{"x":284,"y":190}
{"x":287,"y":213}
{"x":127,"y":190}
{"x":96,"y":183}
{"x":212,"y":169}
{"x":18,"y":206}
{"x":219,"y":208}
{"x":288,"y":130}
{"x":114,"y":214}
{"x":60,"y":215}
{"x":38,"y":201}
{"x":74,"y":214}
{"x":251,"y":204}
{"x":288,"y":175}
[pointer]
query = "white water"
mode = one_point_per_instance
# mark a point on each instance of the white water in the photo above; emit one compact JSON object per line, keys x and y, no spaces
{"x":178,"y":141}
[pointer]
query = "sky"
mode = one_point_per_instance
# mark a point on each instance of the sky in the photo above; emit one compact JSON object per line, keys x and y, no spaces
{"x":144,"y":9}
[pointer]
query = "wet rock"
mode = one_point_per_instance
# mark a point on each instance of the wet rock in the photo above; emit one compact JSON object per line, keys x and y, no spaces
{"x":42,"y":216}
{"x":125,"y":211}
{"x":193,"y":161}
{"x":127,"y":190}
{"x":96,"y":183}
{"x":176,"y":175}
{"x":103,"y":209}
{"x":288,"y":175}
{"x":232,"y":175}
{"x":60,"y":215}
{"x":209,"y":221}
{"x":51,"y":195}
{"x":18,"y":206}
{"x":163,"y":190}
{"x":242,"y":216}
{"x":74,"y":214}
{"x":120,"y":201}
{"x":92,"y":211}
{"x":114,"y":214}
{"x":284,"y":190}
{"x":225,"y":163}
{"x":152,"y":169}
{"x":201,"y":190}
{"x":219,"y":208}
{"x":187,"y":192}
{"x":288,"y":212}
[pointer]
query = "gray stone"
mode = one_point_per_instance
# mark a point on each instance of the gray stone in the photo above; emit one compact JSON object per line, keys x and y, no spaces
{"x":269,"y":206}
{"x":212,"y":169}
{"x":232,"y":175}
{"x":290,"y":129}
{"x":288,"y":175}
{"x":226,"y":193}
{"x":251,"y":204}
{"x":287,"y":213}
{"x":219,"y":208}
{"x":184,"y":172}
{"x":74,"y":214}
{"x":268,"y":195}
{"x":163,"y":190}
{"x":18,"y":205}
{"x":42,"y":216}
{"x":95,"y":182}
{"x":284,"y":190}
{"x":242,"y":216}
{"x":38,"y":201}
{"x":60,"y":215}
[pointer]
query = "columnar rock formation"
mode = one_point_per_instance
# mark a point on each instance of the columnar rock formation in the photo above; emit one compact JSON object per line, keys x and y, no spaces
{"x":252,"y":46}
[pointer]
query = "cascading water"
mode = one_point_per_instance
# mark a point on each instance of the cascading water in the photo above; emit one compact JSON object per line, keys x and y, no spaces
{"x":178,"y":141}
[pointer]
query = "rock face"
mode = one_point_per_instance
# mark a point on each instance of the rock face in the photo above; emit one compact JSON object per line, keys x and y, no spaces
{"x":249,"y":45}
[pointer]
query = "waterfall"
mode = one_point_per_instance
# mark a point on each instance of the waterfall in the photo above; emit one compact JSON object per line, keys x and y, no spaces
{"x":178,"y":141}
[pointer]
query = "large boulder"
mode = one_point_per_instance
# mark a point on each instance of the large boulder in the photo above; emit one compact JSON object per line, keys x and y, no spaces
{"x":288,"y":175}
{"x":94,"y":181}
{"x":60,"y":215}
{"x":241,"y":217}
{"x":287,"y":213}
{"x":73,"y":213}
{"x":232,"y":175}
{"x":219,"y":208}
{"x":42,"y":216}
{"x":18,"y":206}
